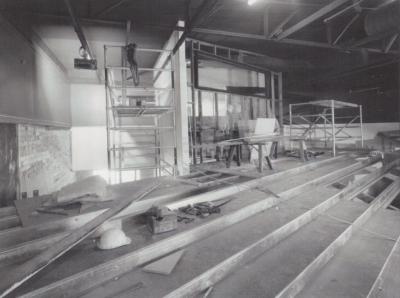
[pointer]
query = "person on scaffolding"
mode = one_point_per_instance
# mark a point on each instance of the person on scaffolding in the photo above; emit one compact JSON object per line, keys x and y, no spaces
{"x":130,"y":50}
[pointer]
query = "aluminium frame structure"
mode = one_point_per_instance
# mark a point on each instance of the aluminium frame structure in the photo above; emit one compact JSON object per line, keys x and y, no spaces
{"x":272,"y":93}
{"x":329,"y":121}
{"x":134,"y":118}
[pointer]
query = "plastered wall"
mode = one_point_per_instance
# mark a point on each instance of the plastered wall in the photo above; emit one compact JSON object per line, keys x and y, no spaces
{"x":33,"y":88}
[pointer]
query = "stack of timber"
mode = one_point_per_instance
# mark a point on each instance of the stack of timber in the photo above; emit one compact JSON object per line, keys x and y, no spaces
{"x":277,"y":237}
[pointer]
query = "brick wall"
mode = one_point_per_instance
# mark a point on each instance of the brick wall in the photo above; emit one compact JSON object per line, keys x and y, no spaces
{"x":44,"y":159}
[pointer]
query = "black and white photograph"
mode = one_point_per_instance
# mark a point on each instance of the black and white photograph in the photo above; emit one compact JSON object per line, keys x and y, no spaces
{"x":200,"y":148}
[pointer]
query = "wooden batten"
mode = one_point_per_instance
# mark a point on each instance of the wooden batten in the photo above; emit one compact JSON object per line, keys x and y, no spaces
{"x":223,"y":269}
{"x":34,"y":246}
{"x":386,"y":284}
{"x":384,"y":199}
{"x":77,"y":283}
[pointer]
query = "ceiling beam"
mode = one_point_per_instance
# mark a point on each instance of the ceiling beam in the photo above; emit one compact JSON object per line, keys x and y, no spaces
{"x":284,"y":41}
{"x":347,"y":27}
{"x":96,"y":21}
{"x":287,"y":3}
{"x":355,"y":5}
{"x":78,"y":30}
{"x":313,"y":17}
{"x":390,"y":43}
{"x":205,"y":7}
{"x":110,"y":8}
{"x":279,"y":28}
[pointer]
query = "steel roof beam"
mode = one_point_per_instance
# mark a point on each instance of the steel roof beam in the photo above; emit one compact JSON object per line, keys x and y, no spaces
{"x":313,"y":17}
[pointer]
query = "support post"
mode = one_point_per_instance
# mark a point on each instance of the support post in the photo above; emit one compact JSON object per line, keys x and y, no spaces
{"x":361,"y":128}
{"x":333,"y":128}
{"x":194,"y":124}
{"x":290,"y":124}
{"x":181,"y":106}
{"x":280,"y":97}
{"x":273,"y":93}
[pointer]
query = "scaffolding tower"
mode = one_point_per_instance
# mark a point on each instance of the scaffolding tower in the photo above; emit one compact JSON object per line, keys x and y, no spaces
{"x":327,"y":121}
{"x":141,"y":130}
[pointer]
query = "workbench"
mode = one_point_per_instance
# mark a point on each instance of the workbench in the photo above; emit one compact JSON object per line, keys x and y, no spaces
{"x":258,"y":143}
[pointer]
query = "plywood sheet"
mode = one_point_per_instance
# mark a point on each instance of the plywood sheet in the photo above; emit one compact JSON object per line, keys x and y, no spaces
{"x":164,"y":265}
{"x":26,"y":209}
{"x":8,"y":164}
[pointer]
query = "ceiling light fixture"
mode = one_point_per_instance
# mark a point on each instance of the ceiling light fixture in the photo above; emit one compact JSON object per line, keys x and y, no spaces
{"x":251,"y":2}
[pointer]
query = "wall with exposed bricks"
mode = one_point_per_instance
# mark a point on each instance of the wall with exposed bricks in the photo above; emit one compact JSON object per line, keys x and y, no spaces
{"x":44,"y":159}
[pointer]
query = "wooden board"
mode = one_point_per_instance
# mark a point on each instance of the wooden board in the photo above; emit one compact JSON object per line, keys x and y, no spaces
{"x":28,"y":269}
{"x":94,"y":276}
{"x":388,"y":280}
{"x":295,"y":287}
{"x":27,"y":208}
{"x":164,"y":265}
{"x":8,"y":164}
{"x":144,"y":205}
{"x":226,"y":267}
{"x":7,"y":211}
{"x":38,"y":244}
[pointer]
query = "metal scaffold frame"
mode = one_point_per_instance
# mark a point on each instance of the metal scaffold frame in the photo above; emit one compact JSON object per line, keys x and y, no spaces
{"x":328,"y":121}
{"x":125,"y":104}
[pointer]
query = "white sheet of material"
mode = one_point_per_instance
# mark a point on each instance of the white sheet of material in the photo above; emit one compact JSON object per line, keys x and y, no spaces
{"x":264,"y":127}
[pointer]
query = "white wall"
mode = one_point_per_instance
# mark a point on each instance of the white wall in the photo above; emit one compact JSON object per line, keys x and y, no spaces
{"x":89,"y":134}
{"x":88,"y":105}
{"x":33,"y":88}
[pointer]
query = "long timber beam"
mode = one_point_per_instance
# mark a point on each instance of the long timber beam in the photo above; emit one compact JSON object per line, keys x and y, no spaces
{"x":142,"y":206}
{"x":382,"y":201}
{"x":214,"y":275}
{"x":31,"y":247}
{"x":91,"y":277}
{"x":387,"y":282}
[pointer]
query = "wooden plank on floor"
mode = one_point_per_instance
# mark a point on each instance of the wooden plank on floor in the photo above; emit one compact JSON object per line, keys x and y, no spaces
{"x":22,"y":249}
{"x":384,"y":198}
{"x":234,"y":189}
{"x":27,"y":270}
{"x":228,"y":266}
{"x":7,"y":211}
{"x":18,"y":235}
{"x":387,"y":283}
{"x":9,"y":222}
{"x":25,"y":208}
{"x":144,"y":205}
{"x":91,"y":277}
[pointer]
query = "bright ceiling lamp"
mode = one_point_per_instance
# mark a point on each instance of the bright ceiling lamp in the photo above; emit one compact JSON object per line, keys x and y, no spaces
{"x":251,"y":2}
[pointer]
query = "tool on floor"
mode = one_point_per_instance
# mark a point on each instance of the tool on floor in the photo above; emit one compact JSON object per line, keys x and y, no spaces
{"x":203,"y":209}
{"x":185,"y":219}
{"x":69,"y":208}
{"x":161,"y":220}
